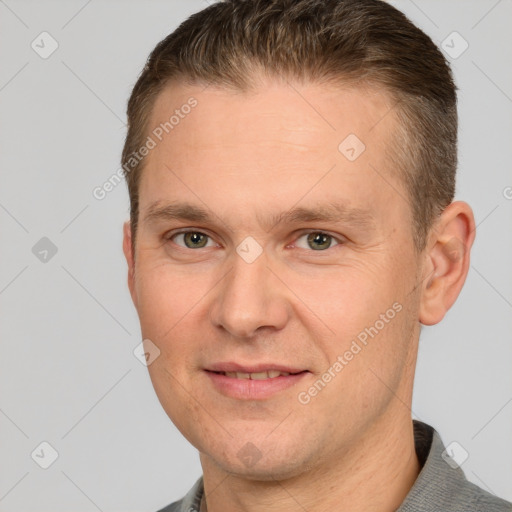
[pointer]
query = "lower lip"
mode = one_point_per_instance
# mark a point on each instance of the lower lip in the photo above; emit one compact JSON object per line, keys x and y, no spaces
{"x":248,"y":389}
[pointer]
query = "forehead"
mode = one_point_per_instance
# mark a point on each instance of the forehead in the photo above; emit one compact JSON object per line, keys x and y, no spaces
{"x":280,"y":144}
{"x":275,"y":111}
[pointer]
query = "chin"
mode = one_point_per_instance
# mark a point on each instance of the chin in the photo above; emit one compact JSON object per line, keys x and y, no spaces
{"x":261,"y":468}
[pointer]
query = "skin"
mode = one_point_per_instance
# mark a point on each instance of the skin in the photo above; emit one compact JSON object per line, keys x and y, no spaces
{"x":245,"y":157}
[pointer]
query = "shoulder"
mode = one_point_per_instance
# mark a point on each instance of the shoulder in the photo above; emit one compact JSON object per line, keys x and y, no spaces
{"x":190,"y":502}
{"x":475,"y":499}
{"x":442,"y":484}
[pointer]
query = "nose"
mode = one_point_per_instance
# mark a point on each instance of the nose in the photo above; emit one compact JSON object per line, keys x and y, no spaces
{"x":250,"y":298}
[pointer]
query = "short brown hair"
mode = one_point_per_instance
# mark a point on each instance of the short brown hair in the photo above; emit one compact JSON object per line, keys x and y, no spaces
{"x":359,"y":42}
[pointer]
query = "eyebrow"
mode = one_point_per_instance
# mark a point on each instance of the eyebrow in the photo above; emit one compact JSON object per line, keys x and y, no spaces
{"x":175,"y":211}
{"x":326,"y":212}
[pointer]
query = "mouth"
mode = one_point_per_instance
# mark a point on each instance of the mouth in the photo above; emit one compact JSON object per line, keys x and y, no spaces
{"x":255,"y":382}
{"x":268,"y":374}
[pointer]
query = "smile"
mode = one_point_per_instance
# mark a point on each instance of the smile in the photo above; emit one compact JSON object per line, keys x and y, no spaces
{"x":259,"y":385}
{"x":271,"y":374}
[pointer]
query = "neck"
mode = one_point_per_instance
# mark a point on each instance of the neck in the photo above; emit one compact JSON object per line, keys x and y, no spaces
{"x":374,"y":474}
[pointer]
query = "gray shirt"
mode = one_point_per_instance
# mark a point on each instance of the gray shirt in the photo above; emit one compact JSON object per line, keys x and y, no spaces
{"x":440,"y":487}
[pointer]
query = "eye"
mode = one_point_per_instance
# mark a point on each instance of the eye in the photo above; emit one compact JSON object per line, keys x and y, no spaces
{"x":192,"y":240}
{"x":316,"y":240}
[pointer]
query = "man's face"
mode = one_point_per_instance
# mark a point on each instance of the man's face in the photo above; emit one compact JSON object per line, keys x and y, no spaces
{"x":302,"y":257}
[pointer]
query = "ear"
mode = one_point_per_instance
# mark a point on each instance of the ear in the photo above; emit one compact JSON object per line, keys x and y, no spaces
{"x":130,"y":259}
{"x":446,"y":262}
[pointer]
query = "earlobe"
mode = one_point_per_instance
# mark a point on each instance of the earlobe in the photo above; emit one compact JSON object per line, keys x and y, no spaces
{"x":447,"y":262}
{"x":130,"y":259}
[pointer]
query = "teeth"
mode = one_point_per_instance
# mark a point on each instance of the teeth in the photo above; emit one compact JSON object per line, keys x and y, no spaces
{"x":259,"y":376}
{"x":271,"y":374}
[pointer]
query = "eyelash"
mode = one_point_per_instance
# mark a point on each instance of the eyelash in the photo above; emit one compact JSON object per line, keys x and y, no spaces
{"x":337,"y":240}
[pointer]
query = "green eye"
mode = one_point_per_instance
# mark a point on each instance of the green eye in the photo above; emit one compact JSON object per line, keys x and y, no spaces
{"x":192,"y":240}
{"x":316,"y":240}
{"x":319,"y":241}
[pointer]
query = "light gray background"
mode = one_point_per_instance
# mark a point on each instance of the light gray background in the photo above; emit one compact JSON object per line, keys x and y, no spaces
{"x":68,"y":328}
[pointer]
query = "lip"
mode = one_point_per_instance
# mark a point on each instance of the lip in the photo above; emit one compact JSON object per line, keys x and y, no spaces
{"x":249,"y":389}
{"x":254,"y":368}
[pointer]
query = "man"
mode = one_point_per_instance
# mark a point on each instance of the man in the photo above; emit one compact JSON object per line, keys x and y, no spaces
{"x":291,"y":170}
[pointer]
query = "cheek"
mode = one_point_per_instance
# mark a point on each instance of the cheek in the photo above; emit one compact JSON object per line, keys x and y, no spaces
{"x":172,"y":308}
{"x":365,"y":323}
{"x":372,"y":356}
{"x":168,"y":305}
{"x":347,"y":298}
{"x":167,"y":296}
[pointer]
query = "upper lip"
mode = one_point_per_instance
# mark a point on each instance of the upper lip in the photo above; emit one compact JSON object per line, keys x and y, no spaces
{"x":253,"y":368}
